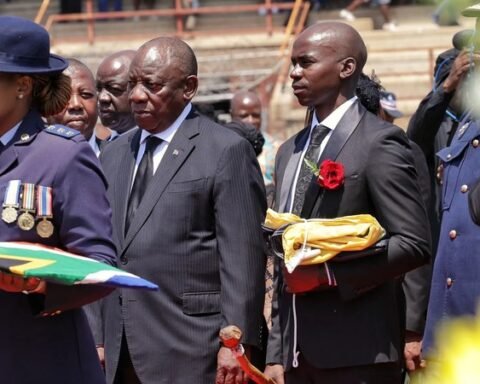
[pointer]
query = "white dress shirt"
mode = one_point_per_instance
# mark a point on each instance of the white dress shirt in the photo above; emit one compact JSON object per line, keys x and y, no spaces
{"x":93,"y":140}
{"x":166,"y":136}
{"x":331,"y":122}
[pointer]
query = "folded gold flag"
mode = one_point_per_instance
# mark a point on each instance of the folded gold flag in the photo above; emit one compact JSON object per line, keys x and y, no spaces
{"x":315,"y":241}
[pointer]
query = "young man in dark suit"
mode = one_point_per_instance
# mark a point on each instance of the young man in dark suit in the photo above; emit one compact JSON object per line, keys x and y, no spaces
{"x":349,"y":317}
{"x":188,"y":202}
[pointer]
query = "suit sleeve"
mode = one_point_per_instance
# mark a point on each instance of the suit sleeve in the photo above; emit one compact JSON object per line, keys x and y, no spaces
{"x":275,"y":345}
{"x":426,"y":121}
{"x":416,"y":287}
{"x":398,"y":206}
{"x":416,"y":284}
{"x":83,"y":218}
{"x":240,"y":206}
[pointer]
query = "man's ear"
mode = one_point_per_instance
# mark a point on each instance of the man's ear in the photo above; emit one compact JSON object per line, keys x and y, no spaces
{"x":190,"y":87}
{"x":349,"y":65}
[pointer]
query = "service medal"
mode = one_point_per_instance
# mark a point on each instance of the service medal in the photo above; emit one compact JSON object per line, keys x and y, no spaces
{"x":44,"y":211}
{"x":45,"y":228}
{"x":9,"y":215}
{"x":10,"y":201}
{"x":26,"y":221}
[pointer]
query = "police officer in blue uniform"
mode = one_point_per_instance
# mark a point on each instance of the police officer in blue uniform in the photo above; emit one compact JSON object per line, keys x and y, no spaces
{"x":52,"y":192}
{"x":455,"y":289}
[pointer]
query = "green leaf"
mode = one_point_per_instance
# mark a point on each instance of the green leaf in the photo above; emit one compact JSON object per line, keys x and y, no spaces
{"x":313,"y":167}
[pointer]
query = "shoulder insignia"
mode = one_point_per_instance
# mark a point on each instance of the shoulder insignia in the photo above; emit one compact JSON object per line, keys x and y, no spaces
{"x":61,"y":130}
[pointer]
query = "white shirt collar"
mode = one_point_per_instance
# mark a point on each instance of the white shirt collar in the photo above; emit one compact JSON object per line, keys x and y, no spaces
{"x":167,"y":134}
{"x":10,"y":134}
{"x":332,"y":120}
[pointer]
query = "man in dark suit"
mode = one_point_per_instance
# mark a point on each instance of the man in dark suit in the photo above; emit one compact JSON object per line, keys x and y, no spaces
{"x":186,"y":215}
{"x":344,"y":322}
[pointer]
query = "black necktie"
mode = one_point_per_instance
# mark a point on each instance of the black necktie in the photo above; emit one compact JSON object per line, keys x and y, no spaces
{"x":142,"y":178}
{"x":1,"y":147}
{"x":305,"y":175}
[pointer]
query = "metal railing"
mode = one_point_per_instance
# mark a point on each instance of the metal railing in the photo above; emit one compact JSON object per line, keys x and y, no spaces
{"x":90,"y":17}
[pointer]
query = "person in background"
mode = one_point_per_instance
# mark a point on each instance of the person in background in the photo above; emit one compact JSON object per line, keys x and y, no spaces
{"x":438,"y":115}
{"x":81,"y":112}
{"x":246,"y":106}
{"x":45,"y":335}
{"x":150,"y":4}
{"x":70,"y":6}
{"x":384,"y":5}
{"x":388,"y":107}
{"x":191,"y":20}
{"x":455,"y":291}
{"x":112,"y":87}
{"x":104,"y":5}
{"x":249,"y":133}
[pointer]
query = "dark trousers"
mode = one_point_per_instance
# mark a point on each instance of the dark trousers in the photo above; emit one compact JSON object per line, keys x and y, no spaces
{"x":104,"y":5}
{"x":387,"y":373}
{"x":70,"y":6}
{"x":125,"y":371}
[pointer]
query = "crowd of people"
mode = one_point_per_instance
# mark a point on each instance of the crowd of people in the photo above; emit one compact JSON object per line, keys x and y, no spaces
{"x":166,"y":193}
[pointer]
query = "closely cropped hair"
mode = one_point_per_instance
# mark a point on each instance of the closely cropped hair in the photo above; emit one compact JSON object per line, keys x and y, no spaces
{"x":51,"y":93}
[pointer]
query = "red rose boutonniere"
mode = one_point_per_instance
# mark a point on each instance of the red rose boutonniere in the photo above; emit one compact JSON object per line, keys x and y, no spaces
{"x":331,"y":175}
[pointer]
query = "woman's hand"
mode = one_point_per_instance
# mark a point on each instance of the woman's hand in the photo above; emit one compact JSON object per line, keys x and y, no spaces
{"x":15,"y":284}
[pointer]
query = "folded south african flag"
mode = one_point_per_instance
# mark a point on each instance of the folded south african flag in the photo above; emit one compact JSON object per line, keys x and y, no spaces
{"x":55,"y":265}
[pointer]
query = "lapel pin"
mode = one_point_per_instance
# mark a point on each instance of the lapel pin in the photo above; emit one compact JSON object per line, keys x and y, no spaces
{"x":24,"y":137}
{"x":175,"y":152}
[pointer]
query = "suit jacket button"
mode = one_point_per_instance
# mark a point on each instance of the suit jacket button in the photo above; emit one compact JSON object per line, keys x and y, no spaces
{"x":124,"y":260}
{"x":449,"y":282}
{"x":464,"y":188}
{"x":475,"y":143}
{"x":452,"y":234}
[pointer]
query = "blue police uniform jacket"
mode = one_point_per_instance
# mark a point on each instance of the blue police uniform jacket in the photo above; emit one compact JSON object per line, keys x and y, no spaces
{"x":455,"y":287}
{"x":45,"y":339}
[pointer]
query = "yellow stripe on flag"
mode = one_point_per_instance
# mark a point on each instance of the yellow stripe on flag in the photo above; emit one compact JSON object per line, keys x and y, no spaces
{"x":29,"y":263}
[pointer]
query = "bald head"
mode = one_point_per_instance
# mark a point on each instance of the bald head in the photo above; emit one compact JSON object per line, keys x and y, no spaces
{"x":340,"y":38}
{"x":112,"y":88}
{"x":246,"y":106}
{"x":328,"y":58}
{"x":172,"y":50}
{"x":116,"y":61}
{"x":163,"y":80}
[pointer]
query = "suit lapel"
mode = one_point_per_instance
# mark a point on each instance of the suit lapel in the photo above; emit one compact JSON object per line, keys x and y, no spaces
{"x":294,"y":154}
{"x":177,"y":152}
{"x":31,"y":125}
{"x":337,"y":140}
{"x":123,"y":182}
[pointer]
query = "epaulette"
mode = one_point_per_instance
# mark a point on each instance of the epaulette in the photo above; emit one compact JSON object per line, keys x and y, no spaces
{"x":61,"y":130}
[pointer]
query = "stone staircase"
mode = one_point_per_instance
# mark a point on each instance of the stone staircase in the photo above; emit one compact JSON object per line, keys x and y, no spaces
{"x":227,"y":63}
